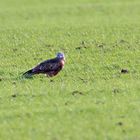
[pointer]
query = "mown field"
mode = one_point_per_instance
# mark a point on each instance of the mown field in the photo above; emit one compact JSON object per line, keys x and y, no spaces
{"x":90,"y":99}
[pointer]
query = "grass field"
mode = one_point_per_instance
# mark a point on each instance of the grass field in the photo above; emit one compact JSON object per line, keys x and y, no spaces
{"x":90,"y":99}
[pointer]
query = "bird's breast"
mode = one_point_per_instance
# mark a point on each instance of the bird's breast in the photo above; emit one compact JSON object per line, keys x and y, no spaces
{"x":62,"y":63}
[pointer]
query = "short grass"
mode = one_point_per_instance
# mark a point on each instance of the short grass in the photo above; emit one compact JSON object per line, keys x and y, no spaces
{"x":89,"y":99}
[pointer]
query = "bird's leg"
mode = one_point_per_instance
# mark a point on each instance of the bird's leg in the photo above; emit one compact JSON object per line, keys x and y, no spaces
{"x":47,"y":75}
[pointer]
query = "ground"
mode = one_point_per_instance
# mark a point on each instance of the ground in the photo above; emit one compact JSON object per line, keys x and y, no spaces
{"x":96,"y":95}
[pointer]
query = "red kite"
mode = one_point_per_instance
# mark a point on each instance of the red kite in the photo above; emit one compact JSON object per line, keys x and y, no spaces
{"x":49,"y":67}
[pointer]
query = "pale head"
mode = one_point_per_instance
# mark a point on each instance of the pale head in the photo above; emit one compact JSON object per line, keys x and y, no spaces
{"x":60,"y":55}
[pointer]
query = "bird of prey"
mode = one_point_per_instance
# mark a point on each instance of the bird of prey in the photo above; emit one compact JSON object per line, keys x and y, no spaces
{"x":50,"y":67}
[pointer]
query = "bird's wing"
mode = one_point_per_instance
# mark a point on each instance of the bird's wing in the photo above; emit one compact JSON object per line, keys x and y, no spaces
{"x":47,"y":66}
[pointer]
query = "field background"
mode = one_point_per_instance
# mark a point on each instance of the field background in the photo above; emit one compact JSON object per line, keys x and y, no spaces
{"x":90,"y":99}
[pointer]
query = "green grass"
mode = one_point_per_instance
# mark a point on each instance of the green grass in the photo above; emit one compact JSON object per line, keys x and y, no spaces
{"x":89,"y":99}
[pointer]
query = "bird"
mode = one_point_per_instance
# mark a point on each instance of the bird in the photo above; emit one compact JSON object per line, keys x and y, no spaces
{"x":50,"y":67}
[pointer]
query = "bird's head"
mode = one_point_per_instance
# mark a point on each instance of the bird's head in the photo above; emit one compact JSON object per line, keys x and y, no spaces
{"x":60,"y":55}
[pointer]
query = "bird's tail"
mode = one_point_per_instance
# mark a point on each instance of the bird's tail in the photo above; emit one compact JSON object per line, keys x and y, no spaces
{"x":28,"y":73}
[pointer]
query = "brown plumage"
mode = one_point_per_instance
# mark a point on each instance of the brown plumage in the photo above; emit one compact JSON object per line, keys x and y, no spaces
{"x":49,"y":67}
